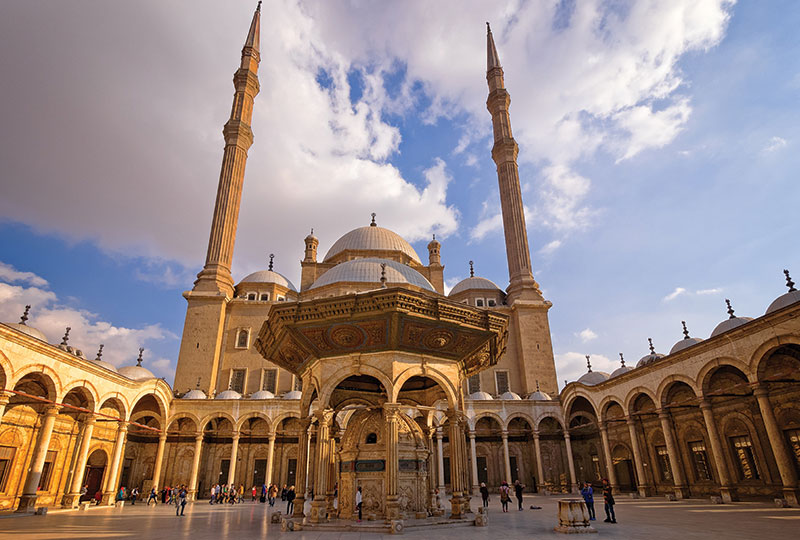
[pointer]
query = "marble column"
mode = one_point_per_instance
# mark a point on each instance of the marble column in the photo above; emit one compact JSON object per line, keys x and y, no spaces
{"x":641,"y":483}
{"x":726,"y":489}
{"x":681,"y":490}
{"x":318,"y":505}
{"x":390,"y":415}
{"x":571,"y":462}
{"x":506,"y":457}
{"x":429,"y":431}
{"x":113,"y":470}
{"x":73,"y":497}
{"x":162,"y":443}
{"x":612,"y":474}
{"x":330,"y":471}
{"x":302,"y":468}
{"x":27,"y":502}
{"x":476,"y":485}
{"x":537,"y":446}
{"x":270,"y":458}
{"x":457,"y":461}
{"x":198,"y":448}
{"x":786,"y":466}
{"x":440,"y":460}
{"x":234,"y":456}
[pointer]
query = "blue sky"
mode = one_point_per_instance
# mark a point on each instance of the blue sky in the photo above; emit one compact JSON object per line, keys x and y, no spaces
{"x":657,"y":153}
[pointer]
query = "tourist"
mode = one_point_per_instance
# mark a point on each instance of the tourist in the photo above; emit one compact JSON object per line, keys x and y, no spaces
{"x":485,"y":495}
{"x":608,"y":499}
{"x":588,"y":498}
{"x":181,"y":504}
{"x":290,"y":501}
{"x":134,"y":495}
{"x":121,"y":494}
{"x":232,"y":495}
{"x":213,"y":494}
{"x":240,"y":493}
{"x":284,"y":491}
{"x":164,"y":491}
{"x":359,"y":500}
{"x":272,"y":494}
{"x":153,"y":496}
{"x":504,"y":495}
{"x":98,"y":497}
{"x":254,"y":491}
{"x":84,"y":491}
{"x":518,"y":492}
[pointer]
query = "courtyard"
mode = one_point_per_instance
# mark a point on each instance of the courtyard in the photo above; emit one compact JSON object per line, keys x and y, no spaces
{"x":652,"y":518}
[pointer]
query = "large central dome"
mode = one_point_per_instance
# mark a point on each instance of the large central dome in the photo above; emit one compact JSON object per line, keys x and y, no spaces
{"x":369,"y":271}
{"x":372,"y":238}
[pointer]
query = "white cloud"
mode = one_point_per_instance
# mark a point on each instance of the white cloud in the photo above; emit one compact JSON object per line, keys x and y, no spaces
{"x":450,"y":283}
{"x":11,"y":275}
{"x":774,"y":144}
{"x":674,"y":294}
{"x":586,"y":335}
{"x":550,"y":247}
{"x":703,"y":292}
{"x":571,"y":365}
{"x":50,"y":315}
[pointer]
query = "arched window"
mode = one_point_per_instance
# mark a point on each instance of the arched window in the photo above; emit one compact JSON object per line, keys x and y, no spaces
{"x":372,"y":438}
{"x":241,"y":340}
{"x":251,"y":296}
{"x":265,"y":297}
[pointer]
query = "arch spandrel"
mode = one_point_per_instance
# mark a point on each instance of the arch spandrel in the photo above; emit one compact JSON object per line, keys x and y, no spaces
{"x":49,"y":377}
{"x":93,"y":403}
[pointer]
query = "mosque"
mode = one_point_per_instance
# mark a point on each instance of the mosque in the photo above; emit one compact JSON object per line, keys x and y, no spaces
{"x":368,"y":375}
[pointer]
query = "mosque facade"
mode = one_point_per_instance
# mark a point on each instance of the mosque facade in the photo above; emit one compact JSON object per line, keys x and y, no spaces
{"x":366,"y":374}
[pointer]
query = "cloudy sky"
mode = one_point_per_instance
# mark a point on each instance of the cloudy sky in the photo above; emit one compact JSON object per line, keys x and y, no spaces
{"x":658,"y":149}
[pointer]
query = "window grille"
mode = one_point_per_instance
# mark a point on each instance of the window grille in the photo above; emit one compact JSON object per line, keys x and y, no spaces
{"x":474,"y":384}
{"x":501,"y":381}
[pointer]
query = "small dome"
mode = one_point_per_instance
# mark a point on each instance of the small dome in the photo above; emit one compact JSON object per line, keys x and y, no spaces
{"x":474,"y":283}
{"x":480,"y":396}
{"x":269,"y":276}
{"x":294,"y":394}
{"x":262,"y":394}
{"x":106,"y":365}
{"x":137,"y":373}
{"x":372,"y":238}
{"x":194,"y":394}
{"x":229,"y":394}
{"x":539,"y":396}
{"x":648,"y":359}
{"x":29,"y":330}
{"x":509,"y":396}
{"x":369,"y":271}
{"x":684,"y":344}
{"x":783,"y":301}
{"x":620,"y":370}
{"x":730,"y":324}
{"x":593,"y":377}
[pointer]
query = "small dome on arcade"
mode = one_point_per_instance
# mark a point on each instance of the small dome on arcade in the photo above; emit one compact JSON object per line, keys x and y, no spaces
{"x":650,"y":358}
{"x":102,"y":363}
{"x":196,"y":393}
{"x":24,"y":328}
{"x":538,"y":395}
{"x":590,"y":378}
{"x":372,"y":238}
{"x":371,"y":271}
{"x":269,"y":276}
{"x":686,"y":342}
{"x":480,"y":396}
{"x":294,"y":394}
{"x":787,"y":298}
{"x":731,"y":322}
{"x":262,"y":394}
{"x":473,"y":283}
{"x":137,"y":372}
{"x":622,"y":368}
{"x":509,"y":396}
{"x":228,"y":394}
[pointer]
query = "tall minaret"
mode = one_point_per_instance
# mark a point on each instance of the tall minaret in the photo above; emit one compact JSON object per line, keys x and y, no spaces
{"x":504,"y":154}
{"x":216,"y":274}
{"x":203,"y":329}
{"x":529,"y":349}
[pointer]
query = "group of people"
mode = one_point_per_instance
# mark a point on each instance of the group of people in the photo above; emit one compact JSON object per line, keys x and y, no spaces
{"x":505,"y":494}
{"x":169,"y":495}
{"x":608,"y":501}
{"x":229,"y":493}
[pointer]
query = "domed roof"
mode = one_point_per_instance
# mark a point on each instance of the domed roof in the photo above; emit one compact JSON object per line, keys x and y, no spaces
{"x":785,"y":299}
{"x":137,"y":372}
{"x":369,"y":271}
{"x":269,"y":276}
{"x":24,"y":328}
{"x":102,"y":363}
{"x":194,"y":394}
{"x":620,"y":370}
{"x":509,"y":396}
{"x":372,"y":238}
{"x":229,"y":394}
{"x":591,"y":378}
{"x":480,"y":396}
{"x":686,"y":342}
{"x":650,"y":358}
{"x":262,"y":394}
{"x":731,"y":322}
{"x":539,"y":396}
{"x":474,"y":283}
{"x":294,"y":394}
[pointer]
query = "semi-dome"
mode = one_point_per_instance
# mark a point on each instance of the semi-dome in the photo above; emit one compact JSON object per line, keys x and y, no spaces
{"x":372,"y":238}
{"x":686,"y":342}
{"x":262,"y":394}
{"x":785,"y":299}
{"x":474,"y":283}
{"x":369,"y":271}
{"x":509,"y":396}
{"x":137,"y":372}
{"x":294,"y":394}
{"x":731,"y":322}
{"x":229,"y":394}
{"x":480,"y":396}
{"x":194,"y":394}
{"x":649,"y":358}
{"x":269,"y":276}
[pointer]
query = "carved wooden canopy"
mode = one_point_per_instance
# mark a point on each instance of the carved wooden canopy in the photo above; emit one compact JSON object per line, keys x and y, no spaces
{"x":297,"y":333}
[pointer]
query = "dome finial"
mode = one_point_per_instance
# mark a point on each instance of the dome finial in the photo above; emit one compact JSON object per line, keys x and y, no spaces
{"x":66,"y":336}
{"x":373,"y":224}
{"x":25,"y":315}
{"x":537,"y":385}
{"x":434,"y":236}
{"x":471,"y":269}
{"x":789,"y":282}
{"x":99,"y":353}
{"x":312,"y":231}
{"x":383,"y":275}
{"x":730,"y":309}
{"x":589,"y":363}
{"x":139,"y":360}
{"x":198,"y":383}
{"x":685,"y":330}
{"x":258,"y":7}
{"x":271,"y":257}
{"x":621,"y":359}
{"x":652,"y":349}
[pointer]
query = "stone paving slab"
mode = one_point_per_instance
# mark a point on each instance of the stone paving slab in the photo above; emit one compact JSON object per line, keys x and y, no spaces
{"x":650,"y":519}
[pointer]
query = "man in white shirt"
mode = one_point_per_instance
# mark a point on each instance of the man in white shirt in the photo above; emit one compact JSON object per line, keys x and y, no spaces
{"x":358,"y":503}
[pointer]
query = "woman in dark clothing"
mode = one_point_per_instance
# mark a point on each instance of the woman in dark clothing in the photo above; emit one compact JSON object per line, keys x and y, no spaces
{"x":485,"y":495}
{"x":518,"y":492}
{"x":608,"y":499}
{"x":290,"y":501}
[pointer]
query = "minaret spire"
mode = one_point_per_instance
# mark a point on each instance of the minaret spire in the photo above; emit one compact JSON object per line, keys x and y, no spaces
{"x":504,"y":154}
{"x":216,"y":274}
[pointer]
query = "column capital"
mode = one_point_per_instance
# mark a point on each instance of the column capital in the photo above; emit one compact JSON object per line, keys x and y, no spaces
{"x":602,"y":425}
{"x":272,"y":435}
{"x":88,"y":420}
{"x":390,"y":411}
{"x":472,"y":434}
{"x":123,"y":427}
{"x":305,"y":422}
{"x":439,"y":433}
{"x":705,"y":402}
{"x":535,"y":433}
{"x":236,"y":435}
{"x":760,"y":389}
{"x":504,"y":434}
{"x":162,"y":436}
{"x":198,"y":436}
{"x":324,"y":416}
{"x":566,"y":434}
{"x":4,"y":398}
{"x":52,"y":410}
{"x":664,"y":414}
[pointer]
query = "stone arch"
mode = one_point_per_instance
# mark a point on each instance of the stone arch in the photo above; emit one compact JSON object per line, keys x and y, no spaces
{"x":634,"y":393}
{"x":607,"y":403}
{"x":668,"y":382}
{"x":87,"y":389}
{"x":559,"y":422}
{"x":283,"y":416}
{"x":484,"y":414}
{"x":123,"y":408}
{"x":248,"y":416}
{"x":163,"y":407}
{"x":763,"y":350}
{"x":49,"y":379}
{"x":444,"y":383}
{"x":519,"y":414}
{"x":213,"y":416}
{"x":364,"y":369}
{"x":732,"y":371}
{"x":576,"y":395}
{"x":6,"y":370}
{"x":711,"y":366}
{"x":181,"y":416}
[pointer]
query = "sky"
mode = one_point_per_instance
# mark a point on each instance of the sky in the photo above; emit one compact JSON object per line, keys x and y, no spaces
{"x":658,"y":147}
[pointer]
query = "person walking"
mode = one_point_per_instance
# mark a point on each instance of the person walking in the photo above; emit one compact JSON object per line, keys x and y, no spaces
{"x":608,"y":499}
{"x":290,"y":501}
{"x":505,"y":495}
{"x":181,"y":501}
{"x":273,"y":494}
{"x":253,"y":491}
{"x":359,"y":501}
{"x":213,"y":494}
{"x":134,"y":495}
{"x":485,"y":495}
{"x":153,"y":496}
{"x":284,"y":491}
{"x":518,"y":492}
{"x":588,"y":498}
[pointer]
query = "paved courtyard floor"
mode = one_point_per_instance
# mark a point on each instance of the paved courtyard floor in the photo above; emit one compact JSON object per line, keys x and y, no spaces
{"x":651,"y":519}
